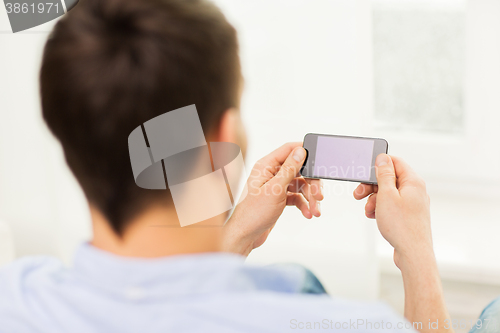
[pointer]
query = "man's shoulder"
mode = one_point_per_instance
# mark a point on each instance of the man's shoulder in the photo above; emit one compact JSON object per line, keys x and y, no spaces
{"x":22,"y":272}
{"x":30,"y":263}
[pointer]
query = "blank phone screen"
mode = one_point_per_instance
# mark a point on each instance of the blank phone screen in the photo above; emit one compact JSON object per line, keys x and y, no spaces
{"x":347,"y":158}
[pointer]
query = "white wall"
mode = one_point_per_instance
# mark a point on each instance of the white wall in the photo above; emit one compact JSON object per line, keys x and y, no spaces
{"x":463,"y":171}
{"x":39,"y":198}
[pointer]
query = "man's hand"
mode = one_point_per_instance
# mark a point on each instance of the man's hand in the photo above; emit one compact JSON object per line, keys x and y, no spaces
{"x":401,"y":206}
{"x":273,"y":184}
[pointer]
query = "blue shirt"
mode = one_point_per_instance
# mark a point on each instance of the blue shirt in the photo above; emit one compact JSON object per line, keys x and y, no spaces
{"x":489,"y":321}
{"x":212,"y":292}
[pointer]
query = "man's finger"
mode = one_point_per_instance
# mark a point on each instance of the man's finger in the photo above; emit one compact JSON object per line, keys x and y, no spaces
{"x":298,"y":200}
{"x":278,"y":156}
{"x":404,"y":173}
{"x":298,"y":185}
{"x":386,"y":175}
{"x":288,"y":170}
{"x":364,"y":190}
{"x":371,"y":204}
{"x":316,"y":188}
{"x":301,"y":185}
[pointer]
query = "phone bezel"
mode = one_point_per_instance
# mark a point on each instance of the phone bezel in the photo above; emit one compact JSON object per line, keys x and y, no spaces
{"x":380,"y":146}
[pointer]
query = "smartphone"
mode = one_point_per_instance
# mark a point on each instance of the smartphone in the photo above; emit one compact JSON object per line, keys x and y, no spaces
{"x":339,"y":157}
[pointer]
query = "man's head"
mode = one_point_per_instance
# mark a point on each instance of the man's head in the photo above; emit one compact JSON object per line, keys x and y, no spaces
{"x":111,"y":65}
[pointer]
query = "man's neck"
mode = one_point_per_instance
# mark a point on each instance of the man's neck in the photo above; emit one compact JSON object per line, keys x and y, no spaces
{"x":157,"y":233}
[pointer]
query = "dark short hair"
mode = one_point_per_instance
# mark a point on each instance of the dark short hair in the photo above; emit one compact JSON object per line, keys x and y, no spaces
{"x":110,"y":65}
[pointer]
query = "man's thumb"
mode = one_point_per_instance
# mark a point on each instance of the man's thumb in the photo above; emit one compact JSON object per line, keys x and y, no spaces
{"x":290,"y":168}
{"x":386,"y":175}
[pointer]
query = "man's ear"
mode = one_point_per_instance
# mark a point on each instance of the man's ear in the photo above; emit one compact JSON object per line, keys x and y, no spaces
{"x":231,"y":129}
{"x":228,"y":128}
